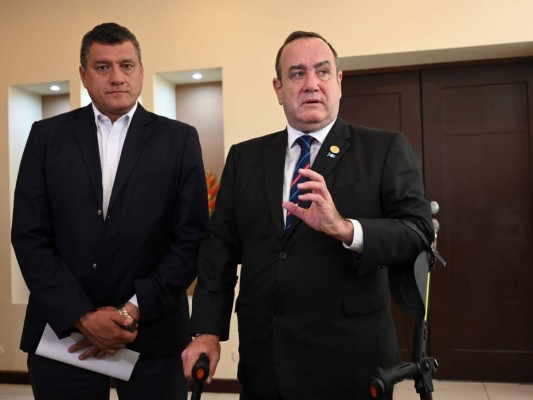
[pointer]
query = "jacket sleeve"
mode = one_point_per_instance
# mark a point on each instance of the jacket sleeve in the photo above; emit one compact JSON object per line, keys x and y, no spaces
{"x":52,"y":285}
{"x":163,"y":289}
{"x":388,"y":242}
{"x":219,"y":257}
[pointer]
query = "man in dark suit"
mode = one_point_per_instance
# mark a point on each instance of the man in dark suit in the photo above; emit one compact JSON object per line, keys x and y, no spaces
{"x":110,"y":210}
{"x":314,"y":305}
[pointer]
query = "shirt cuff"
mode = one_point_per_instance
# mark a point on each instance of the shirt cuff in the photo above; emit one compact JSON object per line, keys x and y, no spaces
{"x":134,"y":301}
{"x":357,"y":242}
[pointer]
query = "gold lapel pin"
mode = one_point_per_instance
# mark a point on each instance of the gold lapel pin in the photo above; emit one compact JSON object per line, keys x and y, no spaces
{"x":333,"y":151}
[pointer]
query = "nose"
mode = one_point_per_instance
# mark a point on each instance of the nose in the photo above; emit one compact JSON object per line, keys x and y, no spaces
{"x":116,"y":76}
{"x":311,"y":82}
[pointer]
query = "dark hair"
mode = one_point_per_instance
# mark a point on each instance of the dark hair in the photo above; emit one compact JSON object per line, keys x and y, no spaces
{"x":302,"y":35}
{"x":107,"y":33}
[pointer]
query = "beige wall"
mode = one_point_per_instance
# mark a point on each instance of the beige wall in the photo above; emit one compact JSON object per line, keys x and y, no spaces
{"x":40,"y":43}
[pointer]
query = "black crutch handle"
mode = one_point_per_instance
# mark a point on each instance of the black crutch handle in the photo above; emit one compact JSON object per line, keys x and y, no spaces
{"x":200,"y":372}
{"x":385,"y":380}
{"x":422,"y":372}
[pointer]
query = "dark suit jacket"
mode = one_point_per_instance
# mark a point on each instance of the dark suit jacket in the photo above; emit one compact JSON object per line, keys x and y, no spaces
{"x":73,"y":261}
{"x":314,"y":318}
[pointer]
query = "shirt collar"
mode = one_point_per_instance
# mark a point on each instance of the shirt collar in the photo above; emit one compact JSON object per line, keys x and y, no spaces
{"x":319,"y":135}
{"x":129,"y":114}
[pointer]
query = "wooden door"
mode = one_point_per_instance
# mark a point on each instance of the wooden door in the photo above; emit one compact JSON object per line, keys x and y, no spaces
{"x":471,"y":128}
{"x":478,"y":125}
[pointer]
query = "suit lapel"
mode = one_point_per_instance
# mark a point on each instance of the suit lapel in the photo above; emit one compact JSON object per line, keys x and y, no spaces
{"x":337,"y":143}
{"x":133,"y":145}
{"x":338,"y":138}
{"x":85,"y":132}
{"x":274,"y":161}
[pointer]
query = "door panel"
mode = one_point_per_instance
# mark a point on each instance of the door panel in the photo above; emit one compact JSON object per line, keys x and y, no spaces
{"x":386,"y":101}
{"x":477,"y":147}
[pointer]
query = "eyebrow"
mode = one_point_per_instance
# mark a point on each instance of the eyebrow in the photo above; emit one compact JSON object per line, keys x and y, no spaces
{"x":106,"y":61}
{"x":317,"y":65}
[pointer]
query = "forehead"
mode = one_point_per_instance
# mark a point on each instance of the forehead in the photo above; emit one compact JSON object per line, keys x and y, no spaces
{"x":307,"y":52}
{"x":112,"y":52}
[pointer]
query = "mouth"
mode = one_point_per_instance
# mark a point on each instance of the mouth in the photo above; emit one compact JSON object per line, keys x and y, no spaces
{"x":311,"y":102}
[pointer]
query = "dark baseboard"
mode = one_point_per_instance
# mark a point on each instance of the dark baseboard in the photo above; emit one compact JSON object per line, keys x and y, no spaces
{"x":223,"y":386}
{"x":14,"y":378}
{"x":217,"y":386}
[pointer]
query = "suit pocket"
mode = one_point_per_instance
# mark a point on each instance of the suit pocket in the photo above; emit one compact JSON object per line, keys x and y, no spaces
{"x":367,"y":302}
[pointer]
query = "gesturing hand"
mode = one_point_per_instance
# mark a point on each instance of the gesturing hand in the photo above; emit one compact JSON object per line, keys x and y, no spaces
{"x":322,"y":215}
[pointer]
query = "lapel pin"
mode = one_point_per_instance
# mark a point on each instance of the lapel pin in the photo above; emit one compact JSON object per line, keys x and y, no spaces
{"x":333,"y":151}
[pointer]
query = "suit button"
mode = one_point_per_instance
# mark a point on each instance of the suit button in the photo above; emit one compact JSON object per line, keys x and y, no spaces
{"x":282,"y":255}
{"x":99,"y":212}
{"x":278,"y":312}
{"x":94,"y":266}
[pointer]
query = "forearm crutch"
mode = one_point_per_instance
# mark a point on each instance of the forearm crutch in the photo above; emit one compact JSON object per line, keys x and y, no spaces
{"x":410,"y":290}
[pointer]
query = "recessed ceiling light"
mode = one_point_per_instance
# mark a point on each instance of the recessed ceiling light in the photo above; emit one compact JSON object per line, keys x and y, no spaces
{"x":55,"y":88}
{"x":197,"y":76}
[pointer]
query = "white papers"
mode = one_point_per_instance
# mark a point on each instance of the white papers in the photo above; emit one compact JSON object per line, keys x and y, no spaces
{"x":118,"y":366}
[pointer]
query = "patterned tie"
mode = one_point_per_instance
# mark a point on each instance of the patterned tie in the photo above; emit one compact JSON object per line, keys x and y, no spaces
{"x":304,"y":161}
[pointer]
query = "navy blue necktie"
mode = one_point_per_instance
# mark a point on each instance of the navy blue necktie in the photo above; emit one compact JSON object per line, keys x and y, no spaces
{"x":304,"y":161}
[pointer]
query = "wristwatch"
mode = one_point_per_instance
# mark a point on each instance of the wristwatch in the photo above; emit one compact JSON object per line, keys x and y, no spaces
{"x":122,"y":311}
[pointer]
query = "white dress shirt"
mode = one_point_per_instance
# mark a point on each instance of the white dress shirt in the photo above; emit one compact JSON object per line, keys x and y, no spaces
{"x":291,"y":157}
{"x":111,"y":137}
